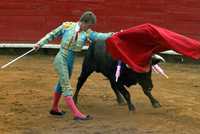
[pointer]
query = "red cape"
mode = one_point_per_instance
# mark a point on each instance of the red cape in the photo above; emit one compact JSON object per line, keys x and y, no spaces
{"x":135,"y":46}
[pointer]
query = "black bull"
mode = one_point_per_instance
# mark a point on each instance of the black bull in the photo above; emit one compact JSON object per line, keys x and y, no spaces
{"x":97,"y":59}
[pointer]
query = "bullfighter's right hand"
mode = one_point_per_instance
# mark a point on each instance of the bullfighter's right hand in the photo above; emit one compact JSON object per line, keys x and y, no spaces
{"x":117,"y":32}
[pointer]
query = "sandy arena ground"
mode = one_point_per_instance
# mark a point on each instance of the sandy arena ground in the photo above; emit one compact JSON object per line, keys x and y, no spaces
{"x":25,"y":99}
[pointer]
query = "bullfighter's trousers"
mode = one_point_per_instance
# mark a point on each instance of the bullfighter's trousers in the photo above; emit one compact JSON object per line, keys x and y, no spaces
{"x":64,"y":66}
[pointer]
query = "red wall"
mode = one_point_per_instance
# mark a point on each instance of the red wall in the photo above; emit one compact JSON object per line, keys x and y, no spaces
{"x":29,"y":20}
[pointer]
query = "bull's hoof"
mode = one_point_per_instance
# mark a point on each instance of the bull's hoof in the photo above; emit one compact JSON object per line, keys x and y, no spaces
{"x":156,"y":105}
{"x":131,"y":108}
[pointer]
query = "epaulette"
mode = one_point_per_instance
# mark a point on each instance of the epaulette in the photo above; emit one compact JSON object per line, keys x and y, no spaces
{"x":67,"y":24}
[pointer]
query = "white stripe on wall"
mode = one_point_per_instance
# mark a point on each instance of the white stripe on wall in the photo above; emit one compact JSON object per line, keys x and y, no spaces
{"x":56,"y":46}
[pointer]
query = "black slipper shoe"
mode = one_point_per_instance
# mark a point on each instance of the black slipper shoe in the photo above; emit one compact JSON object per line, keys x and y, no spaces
{"x":57,"y":113}
{"x":88,"y":117}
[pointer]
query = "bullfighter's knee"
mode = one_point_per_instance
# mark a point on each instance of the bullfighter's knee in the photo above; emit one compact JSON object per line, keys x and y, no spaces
{"x":67,"y":92}
{"x":58,"y":88}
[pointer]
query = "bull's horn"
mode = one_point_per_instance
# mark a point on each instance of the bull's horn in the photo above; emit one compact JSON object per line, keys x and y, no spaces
{"x":159,"y":57}
{"x":127,"y":66}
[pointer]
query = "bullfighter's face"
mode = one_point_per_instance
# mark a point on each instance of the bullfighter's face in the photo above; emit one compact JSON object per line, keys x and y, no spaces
{"x":85,"y":26}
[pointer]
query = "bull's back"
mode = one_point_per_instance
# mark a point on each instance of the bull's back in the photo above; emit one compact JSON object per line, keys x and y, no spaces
{"x":100,"y":60}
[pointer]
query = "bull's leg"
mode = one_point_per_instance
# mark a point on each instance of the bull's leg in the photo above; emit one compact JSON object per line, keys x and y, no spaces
{"x":147,"y":92}
{"x":154,"y":102}
{"x":127,"y":96}
{"x":81,"y":80}
{"x":120,"y":98}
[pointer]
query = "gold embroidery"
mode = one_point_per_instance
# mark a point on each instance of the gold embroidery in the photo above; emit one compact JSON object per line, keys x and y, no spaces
{"x":67,"y":24}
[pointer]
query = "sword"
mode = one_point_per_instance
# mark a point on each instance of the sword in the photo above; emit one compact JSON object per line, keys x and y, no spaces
{"x":4,"y":66}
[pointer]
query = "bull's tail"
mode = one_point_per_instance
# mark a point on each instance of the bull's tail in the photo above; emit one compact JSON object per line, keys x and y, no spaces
{"x":85,"y":73}
{"x":88,"y":61}
{"x":86,"y":70}
{"x":90,"y":52}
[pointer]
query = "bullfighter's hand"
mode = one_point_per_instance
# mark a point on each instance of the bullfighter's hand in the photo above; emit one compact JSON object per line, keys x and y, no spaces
{"x":36,"y":46}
